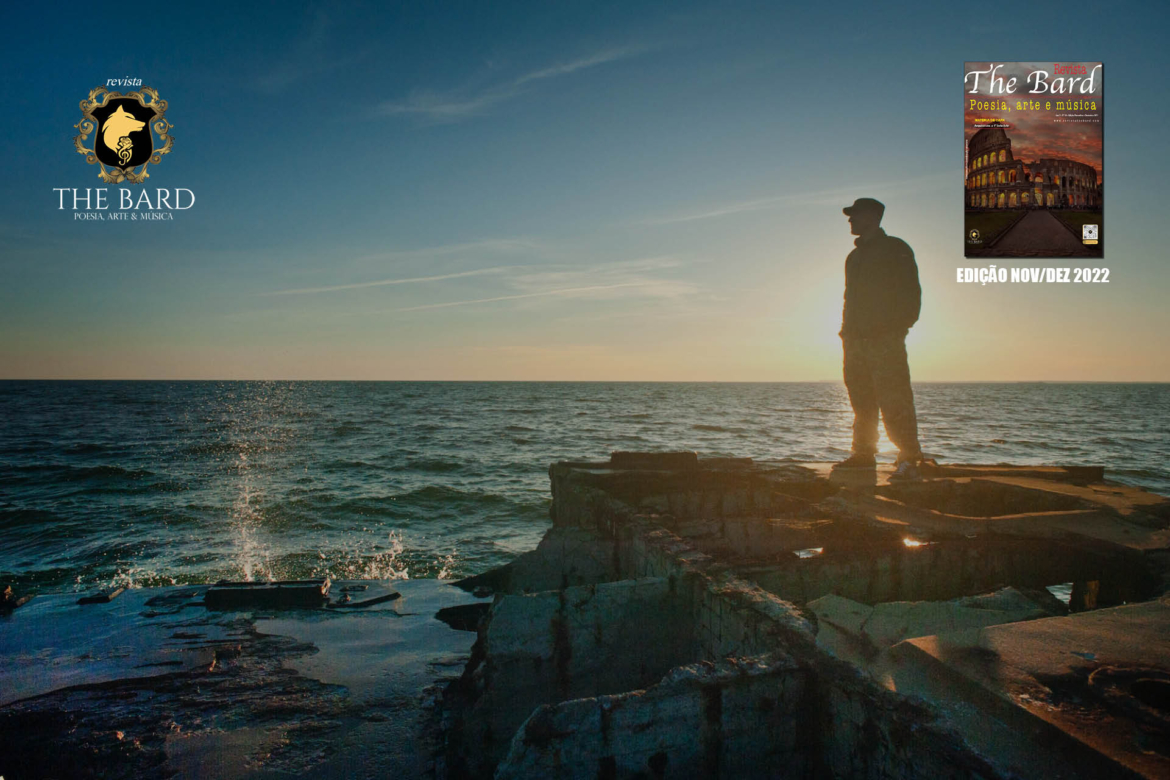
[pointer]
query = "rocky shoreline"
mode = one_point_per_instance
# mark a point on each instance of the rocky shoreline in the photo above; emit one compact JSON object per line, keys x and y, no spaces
{"x":683,"y":617}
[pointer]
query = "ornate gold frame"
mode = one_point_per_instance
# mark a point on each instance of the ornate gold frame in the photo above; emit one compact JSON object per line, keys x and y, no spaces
{"x":160,"y":125}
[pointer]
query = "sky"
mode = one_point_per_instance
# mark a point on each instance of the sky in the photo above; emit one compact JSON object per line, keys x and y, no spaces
{"x":552,"y":191}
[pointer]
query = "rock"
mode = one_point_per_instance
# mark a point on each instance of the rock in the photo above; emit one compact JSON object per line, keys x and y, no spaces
{"x":580,"y":641}
{"x":464,"y":617}
{"x":10,"y":601}
{"x":285,"y":594}
{"x":104,"y":596}
{"x":497,"y":580}
{"x":701,"y":720}
{"x":564,"y":557}
{"x":654,"y":460}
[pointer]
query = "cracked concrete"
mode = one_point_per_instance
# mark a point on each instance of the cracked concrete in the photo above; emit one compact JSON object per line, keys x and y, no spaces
{"x":823,"y":579}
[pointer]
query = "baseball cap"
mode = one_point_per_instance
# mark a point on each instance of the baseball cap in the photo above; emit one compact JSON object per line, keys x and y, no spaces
{"x":862,"y":205}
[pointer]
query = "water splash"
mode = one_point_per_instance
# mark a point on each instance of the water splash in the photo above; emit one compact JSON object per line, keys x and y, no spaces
{"x":447,"y":564}
{"x":128,"y":575}
{"x":252,"y":555}
{"x":381,"y":562}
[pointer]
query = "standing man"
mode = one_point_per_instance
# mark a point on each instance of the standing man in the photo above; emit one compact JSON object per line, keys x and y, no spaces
{"x":882,"y":300}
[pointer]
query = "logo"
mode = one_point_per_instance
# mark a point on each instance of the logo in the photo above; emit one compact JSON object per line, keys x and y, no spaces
{"x":1089,"y":234}
{"x":973,"y":236}
{"x":124,"y":129}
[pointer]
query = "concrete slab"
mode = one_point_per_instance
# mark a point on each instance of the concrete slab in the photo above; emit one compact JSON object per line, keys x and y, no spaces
{"x":843,"y":613}
{"x":961,"y":530}
{"x":856,"y":632}
{"x":1118,"y":515}
{"x":1075,"y":680}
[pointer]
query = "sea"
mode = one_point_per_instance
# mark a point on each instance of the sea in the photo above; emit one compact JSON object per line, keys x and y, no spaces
{"x":143,"y":483}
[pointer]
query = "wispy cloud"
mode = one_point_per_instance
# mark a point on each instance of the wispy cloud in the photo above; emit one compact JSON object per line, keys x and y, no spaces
{"x":456,"y":105}
{"x":386,"y":282}
{"x":531,"y":279}
{"x":820,"y":197}
{"x":568,"y":291}
{"x":597,"y":281}
{"x":593,"y":60}
{"x":723,"y":210}
{"x":480,"y":248}
{"x":525,"y":250}
{"x":550,"y":272}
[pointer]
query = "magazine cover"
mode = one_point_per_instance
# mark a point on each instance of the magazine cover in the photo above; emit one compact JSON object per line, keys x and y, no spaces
{"x":465,"y":390}
{"x":1033,"y":159}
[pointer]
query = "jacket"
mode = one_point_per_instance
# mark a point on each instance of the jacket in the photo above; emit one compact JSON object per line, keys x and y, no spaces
{"x":882,"y":294}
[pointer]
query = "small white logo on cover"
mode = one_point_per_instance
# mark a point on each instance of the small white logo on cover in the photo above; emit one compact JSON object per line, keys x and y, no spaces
{"x":1089,"y":232}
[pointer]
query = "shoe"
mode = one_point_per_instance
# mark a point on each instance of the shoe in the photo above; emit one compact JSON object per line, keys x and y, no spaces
{"x":857,"y":461}
{"x":905,"y":471}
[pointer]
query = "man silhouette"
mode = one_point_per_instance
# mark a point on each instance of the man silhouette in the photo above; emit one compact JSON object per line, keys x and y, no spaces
{"x":882,"y":301}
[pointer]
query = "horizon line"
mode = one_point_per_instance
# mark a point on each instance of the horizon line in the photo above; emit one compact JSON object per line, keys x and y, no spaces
{"x":610,"y":381}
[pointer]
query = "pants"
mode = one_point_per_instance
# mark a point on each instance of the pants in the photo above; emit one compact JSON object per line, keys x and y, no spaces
{"x":877,"y":377}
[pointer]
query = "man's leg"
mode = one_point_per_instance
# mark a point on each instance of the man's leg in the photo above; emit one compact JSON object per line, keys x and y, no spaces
{"x":891,"y":379}
{"x":859,"y":382}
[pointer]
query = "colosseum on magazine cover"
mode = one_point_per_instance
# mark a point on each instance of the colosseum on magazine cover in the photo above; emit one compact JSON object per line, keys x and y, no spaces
{"x":1033,"y":159}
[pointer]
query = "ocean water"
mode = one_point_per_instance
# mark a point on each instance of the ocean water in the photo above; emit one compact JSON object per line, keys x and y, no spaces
{"x":159,"y":483}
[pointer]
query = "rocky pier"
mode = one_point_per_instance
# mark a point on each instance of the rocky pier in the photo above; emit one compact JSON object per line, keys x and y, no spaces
{"x":724,"y":618}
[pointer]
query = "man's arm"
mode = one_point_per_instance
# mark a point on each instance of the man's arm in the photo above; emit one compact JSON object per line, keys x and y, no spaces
{"x":906,"y":293}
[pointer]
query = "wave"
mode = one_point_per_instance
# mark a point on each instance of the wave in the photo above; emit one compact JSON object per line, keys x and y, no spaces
{"x":435,"y":500}
{"x":68,"y":473}
{"x":434,"y":465}
{"x":442,"y":494}
{"x":218,"y":447}
{"x":86,"y":448}
{"x":352,"y":465}
{"x":136,"y":489}
{"x":1044,"y":445}
{"x":13,"y":518}
{"x":717,"y":429}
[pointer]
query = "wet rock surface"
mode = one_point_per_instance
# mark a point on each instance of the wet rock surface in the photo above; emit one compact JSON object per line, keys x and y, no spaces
{"x":154,"y":685}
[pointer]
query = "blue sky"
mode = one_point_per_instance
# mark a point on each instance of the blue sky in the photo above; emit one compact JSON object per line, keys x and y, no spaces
{"x":552,"y":191}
